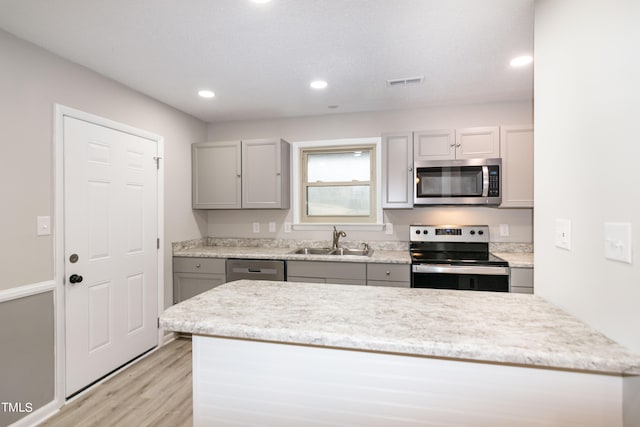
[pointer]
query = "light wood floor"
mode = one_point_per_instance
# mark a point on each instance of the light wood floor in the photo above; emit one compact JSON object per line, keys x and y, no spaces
{"x":156,"y":391}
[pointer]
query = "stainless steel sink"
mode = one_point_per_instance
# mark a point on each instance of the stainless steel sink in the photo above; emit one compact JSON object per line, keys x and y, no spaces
{"x":313,"y":251}
{"x":360,"y":252}
{"x":329,"y":251}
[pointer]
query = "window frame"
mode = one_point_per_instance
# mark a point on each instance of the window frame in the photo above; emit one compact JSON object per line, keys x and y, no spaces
{"x":373,"y":222}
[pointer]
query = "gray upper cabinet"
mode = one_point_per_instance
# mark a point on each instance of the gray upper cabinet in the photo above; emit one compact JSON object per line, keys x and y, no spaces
{"x":265,"y":174}
{"x":397,"y":170}
{"x":216,"y":175}
{"x":437,"y":144}
{"x":516,"y":149}
{"x":248,"y":174}
{"x":464,"y":143}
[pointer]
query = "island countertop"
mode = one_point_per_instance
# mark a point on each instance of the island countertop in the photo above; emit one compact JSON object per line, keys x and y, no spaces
{"x":491,"y":327}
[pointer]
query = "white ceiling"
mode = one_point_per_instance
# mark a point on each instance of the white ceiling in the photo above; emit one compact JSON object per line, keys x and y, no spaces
{"x":260,"y":59}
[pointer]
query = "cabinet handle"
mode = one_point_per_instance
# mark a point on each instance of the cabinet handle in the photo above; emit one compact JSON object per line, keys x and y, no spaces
{"x":410,"y":169}
{"x":452,"y":145}
{"x":197,"y":265}
{"x":239,"y":176}
{"x":457,"y":145}
{"x":278,"y":174}
{"x":388,"y":273}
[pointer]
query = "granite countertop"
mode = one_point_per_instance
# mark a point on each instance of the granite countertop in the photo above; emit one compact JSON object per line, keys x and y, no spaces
{"x":479,"y":326}
{"x":517,"y":259}
{"x":247,"y":252}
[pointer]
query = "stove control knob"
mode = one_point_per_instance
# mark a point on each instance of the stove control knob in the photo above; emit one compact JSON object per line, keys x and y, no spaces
{"x":417,"y":231}
{"x":425,"y":231}
{"x":481,"y":232}
{"x":472,"y":232}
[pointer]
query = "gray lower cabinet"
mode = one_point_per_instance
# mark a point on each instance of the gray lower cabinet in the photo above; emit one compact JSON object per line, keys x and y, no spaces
{"x":343,"y":273}
{"x":349,"y":273}
{"x":396,"y":275}
{"x":521,"y":280}
{"x":192,"y":276}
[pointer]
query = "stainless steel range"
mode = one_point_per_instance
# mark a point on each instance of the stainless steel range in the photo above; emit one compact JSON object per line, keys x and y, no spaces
{"x":455,"y":257}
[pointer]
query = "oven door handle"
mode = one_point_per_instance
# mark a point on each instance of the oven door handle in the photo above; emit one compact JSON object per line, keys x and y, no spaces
{"x":485,"y":181}
{"x":461,"y":269}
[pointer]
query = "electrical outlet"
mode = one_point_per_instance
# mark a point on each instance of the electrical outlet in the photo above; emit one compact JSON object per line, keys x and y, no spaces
{"x":563,"y":234}
{"x":287,"y":227}
{"x":272,"y":227}
{"x":388,"y":228}
{"x":504,"y":230}
{"x":256,"y":227}
{"x":617,"y":241}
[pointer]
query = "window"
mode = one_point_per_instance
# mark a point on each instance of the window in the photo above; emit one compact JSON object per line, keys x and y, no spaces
{"x":337,"y":182}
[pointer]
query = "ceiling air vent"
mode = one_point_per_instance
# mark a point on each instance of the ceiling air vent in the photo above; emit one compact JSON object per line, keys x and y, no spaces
{"x":405,"y":82}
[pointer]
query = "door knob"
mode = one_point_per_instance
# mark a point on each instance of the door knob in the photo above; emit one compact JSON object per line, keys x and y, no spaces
{"x":74,"y":278}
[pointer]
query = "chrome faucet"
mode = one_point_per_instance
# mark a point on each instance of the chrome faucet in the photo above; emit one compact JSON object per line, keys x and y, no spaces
{"x":336,"y":237}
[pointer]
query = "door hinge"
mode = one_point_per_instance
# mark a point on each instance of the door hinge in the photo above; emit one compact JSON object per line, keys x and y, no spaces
{"x":158,"y":323}
{"x":158,"y":243}
{"x":157,"y":160}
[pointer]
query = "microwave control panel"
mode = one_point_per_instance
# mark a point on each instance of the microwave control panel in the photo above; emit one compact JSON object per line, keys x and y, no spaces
{"x":494,"y":181}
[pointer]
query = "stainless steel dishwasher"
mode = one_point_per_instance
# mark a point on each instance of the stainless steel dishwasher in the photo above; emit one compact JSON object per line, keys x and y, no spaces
{"x":255,"y":269}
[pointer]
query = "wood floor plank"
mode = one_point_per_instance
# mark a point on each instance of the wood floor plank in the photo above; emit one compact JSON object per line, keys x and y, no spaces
{"x":155,"y":391}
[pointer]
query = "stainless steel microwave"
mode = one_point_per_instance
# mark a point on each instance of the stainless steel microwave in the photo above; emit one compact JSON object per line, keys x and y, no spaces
{"x":458,"y":182}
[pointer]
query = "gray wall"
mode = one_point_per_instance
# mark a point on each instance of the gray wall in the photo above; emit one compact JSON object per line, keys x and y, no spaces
{"x":31,"y":82}
{"x":587,"y":105}
{"x":334,"y":126}
{"x":26,"y":355}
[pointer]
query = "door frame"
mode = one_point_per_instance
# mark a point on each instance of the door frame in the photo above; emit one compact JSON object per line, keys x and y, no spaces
{"x":61,"y":111}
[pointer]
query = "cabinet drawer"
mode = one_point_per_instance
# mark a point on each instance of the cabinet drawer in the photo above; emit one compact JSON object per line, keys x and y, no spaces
{"x":389,"y":272}
{"x":328,"y":270}
{"x":198,"y":265}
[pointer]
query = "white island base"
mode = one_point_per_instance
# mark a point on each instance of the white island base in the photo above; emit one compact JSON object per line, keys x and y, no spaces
{"x":257,"y":383}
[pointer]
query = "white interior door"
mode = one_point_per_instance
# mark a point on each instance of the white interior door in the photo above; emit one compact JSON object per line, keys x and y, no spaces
{"x":110,"y":239}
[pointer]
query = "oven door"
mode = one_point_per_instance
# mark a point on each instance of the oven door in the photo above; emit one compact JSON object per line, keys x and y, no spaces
{"x":471,"y":278}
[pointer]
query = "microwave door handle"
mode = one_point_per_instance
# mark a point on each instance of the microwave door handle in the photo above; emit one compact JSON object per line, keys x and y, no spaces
{"x":485,"y":181}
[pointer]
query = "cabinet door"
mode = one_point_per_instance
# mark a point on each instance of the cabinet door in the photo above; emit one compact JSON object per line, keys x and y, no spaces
{"x":187,"y":285}
{"x":265,"y":165}
{"x":215,"y":169}
{"x":397,"y":170}
{"x":516,"y":150}
{"x":521,"y":280}
{"x":478,"y":143}
{"x":434,"y":145}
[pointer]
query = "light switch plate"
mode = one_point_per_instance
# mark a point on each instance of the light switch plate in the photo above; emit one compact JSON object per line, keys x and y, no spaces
{"x":388,"y":228}
{"x":617,"y":241}
{"x":504,"y":230}
{"x":43,"y":226}
{"x":256,"y":227}
{"x":563,"y":234}
{"x":287,"y":227}
{"x":272,"y":227}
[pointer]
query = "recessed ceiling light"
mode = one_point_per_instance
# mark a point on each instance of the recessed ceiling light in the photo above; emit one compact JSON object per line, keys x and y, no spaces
{"x":318,"y":84}
{"x":206,"y":94}
{"x":521,"y":61}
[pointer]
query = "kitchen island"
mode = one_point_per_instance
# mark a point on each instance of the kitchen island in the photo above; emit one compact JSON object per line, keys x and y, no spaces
{"x":283,"y":353}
